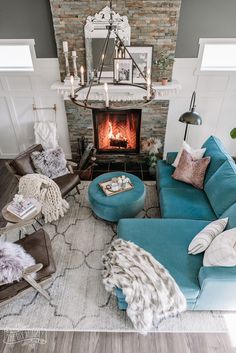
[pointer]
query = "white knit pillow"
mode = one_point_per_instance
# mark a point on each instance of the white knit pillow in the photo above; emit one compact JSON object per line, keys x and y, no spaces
{"x":222,"y":251}
{"x":203,"y":239}
{"x":196,"y":154}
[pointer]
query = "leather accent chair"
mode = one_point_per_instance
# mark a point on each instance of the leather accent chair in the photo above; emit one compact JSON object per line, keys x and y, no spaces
{"x":23,"y":165}
{"x":38,"y":245}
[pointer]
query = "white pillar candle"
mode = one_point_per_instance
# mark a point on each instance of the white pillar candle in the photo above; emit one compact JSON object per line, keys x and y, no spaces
{"x":106,"y":95}
{"x":72,"y":86}
{"x":82,"y":76}
{"x":65,"y":46}
{"x":73,"y":53}
{"x":117,"y":72}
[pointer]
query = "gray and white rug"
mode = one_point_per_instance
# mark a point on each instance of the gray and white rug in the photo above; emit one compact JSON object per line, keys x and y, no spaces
{"x":78,"y":299}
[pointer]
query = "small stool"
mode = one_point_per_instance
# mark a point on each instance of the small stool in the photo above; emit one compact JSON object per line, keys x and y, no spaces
{"x":123,"y":205}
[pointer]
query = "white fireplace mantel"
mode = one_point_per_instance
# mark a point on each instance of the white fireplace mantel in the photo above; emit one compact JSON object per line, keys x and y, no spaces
{"x":121,"y":93}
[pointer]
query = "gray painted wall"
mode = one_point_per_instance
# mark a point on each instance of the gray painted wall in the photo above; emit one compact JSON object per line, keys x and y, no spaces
{"x":198,"y":18}
{"x":203,"y":19}
{"x":28,"y":19}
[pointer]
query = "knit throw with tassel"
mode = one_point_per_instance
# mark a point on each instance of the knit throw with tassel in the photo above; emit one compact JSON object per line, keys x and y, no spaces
{"x":47,"y":192}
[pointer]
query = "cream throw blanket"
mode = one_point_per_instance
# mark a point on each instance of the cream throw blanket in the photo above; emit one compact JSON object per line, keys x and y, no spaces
{"x":47,"y":192}
{"x":150,"y":291}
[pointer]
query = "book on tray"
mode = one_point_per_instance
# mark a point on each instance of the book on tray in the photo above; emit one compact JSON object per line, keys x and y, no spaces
{"x":22,"y":209}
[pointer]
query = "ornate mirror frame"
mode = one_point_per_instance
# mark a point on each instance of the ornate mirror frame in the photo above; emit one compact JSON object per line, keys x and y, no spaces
{"x":95,"y":27}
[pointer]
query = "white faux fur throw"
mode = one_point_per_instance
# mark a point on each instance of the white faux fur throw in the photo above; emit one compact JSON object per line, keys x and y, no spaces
{"x":150,"y":291}
{"x":13,"y":261}
{"x":47,"y":192}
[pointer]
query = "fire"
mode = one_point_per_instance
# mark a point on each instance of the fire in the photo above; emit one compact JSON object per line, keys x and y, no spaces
{"x":118,"y":136}
{"x":118,"y":139}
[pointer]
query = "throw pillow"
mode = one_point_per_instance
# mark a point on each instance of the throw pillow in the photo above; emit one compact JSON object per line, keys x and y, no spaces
{"x":51,"y":163}
{"x":190,"y":171}
{"x":195,"y":153}
{"x":222,"y":250}
{"x":204,"y":238}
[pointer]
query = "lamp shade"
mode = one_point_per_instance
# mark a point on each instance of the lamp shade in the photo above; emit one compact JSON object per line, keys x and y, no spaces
{"x":191,"y":117}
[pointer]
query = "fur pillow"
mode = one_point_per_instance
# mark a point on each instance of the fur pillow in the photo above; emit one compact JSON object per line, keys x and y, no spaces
{"x":196,"y":154}
{"x":13,"y":261}
{"x":51,"y":163}
{"x":204,"y":238}
{"x":222,"y":251}
{"x":190,"y":171}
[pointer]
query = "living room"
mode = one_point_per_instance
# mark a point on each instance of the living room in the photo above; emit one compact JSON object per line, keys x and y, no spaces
{"x":117,"y":172}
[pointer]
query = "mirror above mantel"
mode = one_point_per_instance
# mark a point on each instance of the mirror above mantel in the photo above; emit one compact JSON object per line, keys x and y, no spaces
{"x":95,"y":33}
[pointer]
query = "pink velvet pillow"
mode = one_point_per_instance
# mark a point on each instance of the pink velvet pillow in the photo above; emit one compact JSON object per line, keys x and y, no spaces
{"x":190,"y":171}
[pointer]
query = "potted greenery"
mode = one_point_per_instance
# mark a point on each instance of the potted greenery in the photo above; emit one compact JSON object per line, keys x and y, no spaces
{"x":152,"y":147}
{"x":163,"y":63}
{"x":233,"y":133}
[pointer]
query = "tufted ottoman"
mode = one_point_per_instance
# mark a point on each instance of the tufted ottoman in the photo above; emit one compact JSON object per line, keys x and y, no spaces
{"x":124,"y":205}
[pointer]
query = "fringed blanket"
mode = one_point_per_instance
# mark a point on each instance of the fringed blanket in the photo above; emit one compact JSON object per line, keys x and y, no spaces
{"x":150,"y":291}
{"x":47,"y":192}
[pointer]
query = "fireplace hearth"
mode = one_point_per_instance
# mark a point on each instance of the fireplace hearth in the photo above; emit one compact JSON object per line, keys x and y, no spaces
{"x":117,"y":132}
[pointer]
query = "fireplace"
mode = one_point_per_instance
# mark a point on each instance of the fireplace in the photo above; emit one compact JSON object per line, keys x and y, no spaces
{"x":117,"y":132}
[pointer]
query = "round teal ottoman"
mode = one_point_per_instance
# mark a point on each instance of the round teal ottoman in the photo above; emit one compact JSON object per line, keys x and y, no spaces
{"x":124,"y":205}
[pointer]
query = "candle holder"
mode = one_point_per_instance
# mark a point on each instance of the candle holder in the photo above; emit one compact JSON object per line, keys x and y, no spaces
{"x":74,"y":57}
{"x":67,"y":78}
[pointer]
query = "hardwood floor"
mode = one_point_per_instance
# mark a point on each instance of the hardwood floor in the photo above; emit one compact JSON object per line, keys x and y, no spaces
{"x":92,"y":342}
{"x":8,"y":185}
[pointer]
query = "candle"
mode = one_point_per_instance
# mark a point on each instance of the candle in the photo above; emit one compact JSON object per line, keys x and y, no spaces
{"x":82,"y":76}
{"x":107,"y":96}
{"x":73,"y":53}
{"x":72,"y":86}
{"x":117,"y":72}
{"x":65,"y":46}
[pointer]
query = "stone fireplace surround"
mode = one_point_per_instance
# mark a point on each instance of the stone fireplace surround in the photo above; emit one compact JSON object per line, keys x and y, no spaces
{"x":153,"y":22}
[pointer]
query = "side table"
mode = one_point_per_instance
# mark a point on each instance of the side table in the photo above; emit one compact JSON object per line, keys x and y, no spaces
{"x":17,"y":222}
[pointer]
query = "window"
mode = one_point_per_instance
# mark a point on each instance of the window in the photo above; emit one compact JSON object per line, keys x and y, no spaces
{"x":217,"y":55}
{"x":15,"y":56}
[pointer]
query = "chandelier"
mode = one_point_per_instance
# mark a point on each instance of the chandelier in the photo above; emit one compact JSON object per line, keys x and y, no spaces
{"x":98,"y":95}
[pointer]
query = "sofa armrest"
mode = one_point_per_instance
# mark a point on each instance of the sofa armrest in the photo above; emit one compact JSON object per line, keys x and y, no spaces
{"x":170,"y":157}
{"x":216,"y":273}
{"x":218,"y":287}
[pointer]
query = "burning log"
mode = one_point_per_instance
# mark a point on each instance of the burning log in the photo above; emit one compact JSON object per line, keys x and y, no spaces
{"x":118,"y":143}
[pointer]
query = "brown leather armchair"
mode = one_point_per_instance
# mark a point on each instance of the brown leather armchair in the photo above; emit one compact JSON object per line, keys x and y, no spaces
{"x":22,"y":165}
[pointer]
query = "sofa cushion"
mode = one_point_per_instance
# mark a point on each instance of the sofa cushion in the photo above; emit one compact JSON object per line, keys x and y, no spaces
{"x":218,"y":154}
{"x":231,"y":214}
{"x":170,"y":157}
{"x":222,"y":183}
{"x":167,"y":240}
{"x":164,"y":178}
{"x":185,"y":204}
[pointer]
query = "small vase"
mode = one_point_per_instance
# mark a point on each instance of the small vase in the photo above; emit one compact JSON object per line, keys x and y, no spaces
{"x":152,"y":171}
{"x":164,"y":81}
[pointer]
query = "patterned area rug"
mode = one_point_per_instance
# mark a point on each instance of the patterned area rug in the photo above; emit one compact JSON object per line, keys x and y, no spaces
{"x":78,"y":299}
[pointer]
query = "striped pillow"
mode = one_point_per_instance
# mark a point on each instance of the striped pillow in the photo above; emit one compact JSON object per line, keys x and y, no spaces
{"x":203,"y":239}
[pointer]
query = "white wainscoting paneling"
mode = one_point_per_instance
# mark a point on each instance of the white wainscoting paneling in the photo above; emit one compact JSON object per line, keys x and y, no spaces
{"x":216,"y":103}
{"x":18,"y":93}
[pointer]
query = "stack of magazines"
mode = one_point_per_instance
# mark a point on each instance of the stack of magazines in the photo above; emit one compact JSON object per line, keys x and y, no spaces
{"x":22,"y":209}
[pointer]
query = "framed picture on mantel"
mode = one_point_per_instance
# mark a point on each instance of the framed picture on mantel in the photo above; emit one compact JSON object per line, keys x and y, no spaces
{"x":143,"y":58}
{"x":123,"y":70}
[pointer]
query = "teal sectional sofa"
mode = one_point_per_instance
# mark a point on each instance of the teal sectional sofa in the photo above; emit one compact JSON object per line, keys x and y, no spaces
{"x":185,"y":211}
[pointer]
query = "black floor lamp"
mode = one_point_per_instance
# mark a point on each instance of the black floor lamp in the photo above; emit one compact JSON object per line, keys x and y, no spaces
{"x":191,"y":117}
